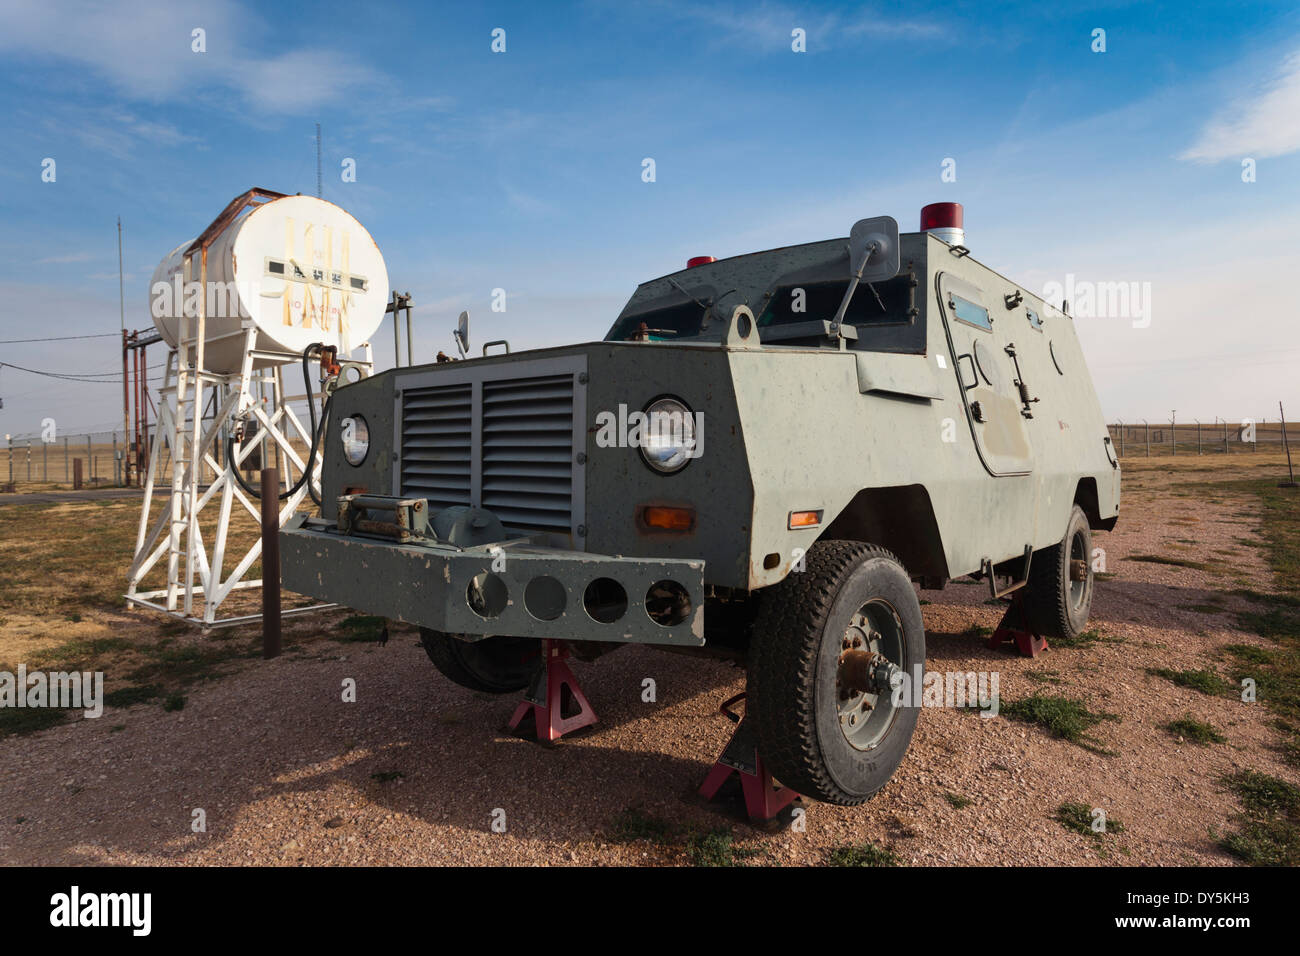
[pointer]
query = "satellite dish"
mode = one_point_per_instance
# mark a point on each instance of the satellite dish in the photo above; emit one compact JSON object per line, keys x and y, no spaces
{"x":461,"y":335}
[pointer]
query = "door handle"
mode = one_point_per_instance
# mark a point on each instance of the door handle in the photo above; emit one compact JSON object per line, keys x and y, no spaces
{"x":961,"y":374}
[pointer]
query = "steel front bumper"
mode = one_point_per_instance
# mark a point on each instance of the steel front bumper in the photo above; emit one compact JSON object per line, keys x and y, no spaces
{"x":429,"y":585}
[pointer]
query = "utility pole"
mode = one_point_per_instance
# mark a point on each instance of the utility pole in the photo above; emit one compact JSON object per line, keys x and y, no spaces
{"x":121,"y":308}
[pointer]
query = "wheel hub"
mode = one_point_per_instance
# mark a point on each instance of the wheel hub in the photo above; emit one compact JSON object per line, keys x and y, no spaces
{"x":866,"y":673}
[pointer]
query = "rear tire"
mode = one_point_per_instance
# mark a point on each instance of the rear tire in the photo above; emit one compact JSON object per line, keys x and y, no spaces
{"x":826,"y":745}
{"x":493,"y":665}
{"x":1055,"y":605}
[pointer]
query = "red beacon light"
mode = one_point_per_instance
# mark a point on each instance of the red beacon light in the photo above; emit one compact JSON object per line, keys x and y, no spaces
{"x":694,"y":261}
{"x":944,"y":219}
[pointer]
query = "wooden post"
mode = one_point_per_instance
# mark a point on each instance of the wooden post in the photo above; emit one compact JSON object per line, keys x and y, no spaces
{"x":270,"y":563}
{"x":77,"y":476}
{"x":1286,"y":444}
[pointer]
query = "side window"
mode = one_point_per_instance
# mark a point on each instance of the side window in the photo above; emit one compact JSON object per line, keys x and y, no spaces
{"x":1034,"y":319}
{"x":970,"y":313}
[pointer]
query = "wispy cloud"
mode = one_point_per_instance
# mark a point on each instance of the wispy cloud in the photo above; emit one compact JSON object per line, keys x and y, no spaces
{"x":767,"y":26}
{"x":1261,"y":124}
{"x":147,"y":52}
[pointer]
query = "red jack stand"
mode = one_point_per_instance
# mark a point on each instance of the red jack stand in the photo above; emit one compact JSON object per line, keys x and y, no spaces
{"x":1013,"y":627}
{"x":763,"y":801}
{"x":553,"y":692}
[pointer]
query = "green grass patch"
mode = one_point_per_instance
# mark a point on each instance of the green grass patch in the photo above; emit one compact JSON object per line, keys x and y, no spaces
{"x":387,"y":776}
{"x":1268,"y":832}
{"x":1172,"y":562}
{"x":361,"y":628}
{"x":1081,"y":640}
{"x":136,"y":694}
{"x":1203,"y":680}
{"x":1061,"y":717}
{"x":1078,"y":817}
{"x":957,"y":801}
{"x":1043,"y":677}
{"x":862,"y":854}
{"x":717,"y":848}
{"x":1198,"y":732}
{"x":17,"y":721}
{"x":174,"y":701}
{"x":635,"y":824}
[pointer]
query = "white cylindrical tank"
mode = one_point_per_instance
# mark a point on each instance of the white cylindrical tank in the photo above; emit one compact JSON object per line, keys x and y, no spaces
{"x":299,"y":269}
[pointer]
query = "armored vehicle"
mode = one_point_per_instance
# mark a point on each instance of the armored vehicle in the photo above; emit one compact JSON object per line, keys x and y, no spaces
{"x":763,"y":459}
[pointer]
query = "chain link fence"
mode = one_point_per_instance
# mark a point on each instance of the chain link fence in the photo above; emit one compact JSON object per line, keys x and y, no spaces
{"x":41,"y":462}
{"x":1220,"y":437}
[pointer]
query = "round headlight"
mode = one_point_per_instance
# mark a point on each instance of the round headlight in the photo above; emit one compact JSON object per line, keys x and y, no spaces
{"x":668,"y":439}
{"x":356,"y":439}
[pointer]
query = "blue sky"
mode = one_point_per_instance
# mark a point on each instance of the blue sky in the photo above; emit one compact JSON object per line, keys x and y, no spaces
{"x":522,"y":170}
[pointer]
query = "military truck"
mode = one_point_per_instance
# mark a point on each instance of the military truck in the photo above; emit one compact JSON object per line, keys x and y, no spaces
{"x":847,"y":420}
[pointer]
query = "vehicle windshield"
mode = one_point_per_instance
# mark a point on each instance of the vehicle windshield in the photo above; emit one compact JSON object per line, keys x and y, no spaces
{"x":684,"y":320}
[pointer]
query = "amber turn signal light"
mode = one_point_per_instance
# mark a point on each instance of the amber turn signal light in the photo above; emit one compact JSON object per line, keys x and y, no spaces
{"x":805,"y":519}
{"x":662,"y":518}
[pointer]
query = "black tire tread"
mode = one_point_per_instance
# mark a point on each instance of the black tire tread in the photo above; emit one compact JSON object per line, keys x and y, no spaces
{"x":1046,"y":610}
{"x":783,"y":663}
{"x":443,"y":650}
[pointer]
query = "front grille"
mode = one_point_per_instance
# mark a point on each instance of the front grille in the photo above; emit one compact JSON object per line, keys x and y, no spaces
{"x":436,"y":444}
{"x":528,"y":451}
{"x":504,"y":444}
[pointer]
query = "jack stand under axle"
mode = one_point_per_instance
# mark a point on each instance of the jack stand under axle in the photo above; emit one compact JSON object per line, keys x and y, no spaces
{"x":555,"y":704}
{"x":1014,"y":627}
{"x":763,"y":800}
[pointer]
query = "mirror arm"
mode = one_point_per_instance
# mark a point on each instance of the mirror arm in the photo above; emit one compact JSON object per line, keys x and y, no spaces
{"x":854,"y":279}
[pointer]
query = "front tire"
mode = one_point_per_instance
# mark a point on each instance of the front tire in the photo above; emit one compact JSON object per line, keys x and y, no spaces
{"x":1058,"y":597}
{"x":826,"y":643}
{"x":493,"y":665}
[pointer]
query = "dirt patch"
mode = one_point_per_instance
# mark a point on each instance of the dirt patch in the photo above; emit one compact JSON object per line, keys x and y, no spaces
{"x":417,"y":770}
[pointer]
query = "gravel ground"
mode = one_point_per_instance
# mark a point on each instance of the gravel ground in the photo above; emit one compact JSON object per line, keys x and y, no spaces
{"x":417,"y":769}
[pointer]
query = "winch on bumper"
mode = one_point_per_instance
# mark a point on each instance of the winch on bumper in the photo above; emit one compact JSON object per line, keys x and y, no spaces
{"x":458,"y":572}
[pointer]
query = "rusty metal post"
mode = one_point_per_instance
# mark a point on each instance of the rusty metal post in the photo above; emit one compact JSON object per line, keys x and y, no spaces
{"x":1198,"y":436}
{"x":270,"y":563}
{"x":67,"y":469}
{"x":77,"y":477}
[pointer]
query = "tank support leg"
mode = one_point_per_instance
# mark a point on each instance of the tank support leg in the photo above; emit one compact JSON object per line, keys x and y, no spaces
{"x":763,"y":800}
{"x":554,"y":692}
{"x":1013,"y":627}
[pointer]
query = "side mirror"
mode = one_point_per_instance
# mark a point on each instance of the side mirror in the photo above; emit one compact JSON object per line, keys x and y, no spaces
{"x":461,"y":335}
{"x":873,"y":249}
{"x":873,"y":257}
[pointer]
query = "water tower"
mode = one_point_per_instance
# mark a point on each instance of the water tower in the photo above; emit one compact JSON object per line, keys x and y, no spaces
{"x":271,"y":276}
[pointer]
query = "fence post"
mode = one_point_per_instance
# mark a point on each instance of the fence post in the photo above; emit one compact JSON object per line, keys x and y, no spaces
{"x":90,"y":461}
{"x":67,"y":472}
{"x":29,"y":459}
{"x":1198,"y":436}
{"x":45,"y":460}
{"x":117,"y":474}
{"x":271,"y":562}
{"x":11,"y":458}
